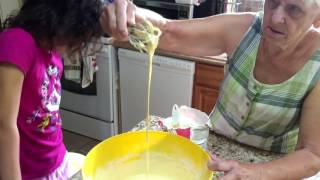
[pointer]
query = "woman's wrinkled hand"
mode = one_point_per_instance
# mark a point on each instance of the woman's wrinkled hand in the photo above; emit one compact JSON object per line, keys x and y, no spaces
{"x":120,"y":14}
{"x":234,"y":170}
{"x":115,"y":17}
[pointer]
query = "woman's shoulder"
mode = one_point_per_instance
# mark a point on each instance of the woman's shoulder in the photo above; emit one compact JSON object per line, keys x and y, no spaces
{"x":244,"y":19}
{"x":242,"y":23}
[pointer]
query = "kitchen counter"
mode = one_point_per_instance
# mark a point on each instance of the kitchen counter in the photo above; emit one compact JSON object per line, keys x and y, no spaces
{"x":215,"y":60}
{"x":217,"y":144}
{"x":231,"y":150}
{"x":223,"y":147}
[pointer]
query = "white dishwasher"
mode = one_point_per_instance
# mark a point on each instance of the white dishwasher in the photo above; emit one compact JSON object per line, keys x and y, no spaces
{"x":172,"y":83}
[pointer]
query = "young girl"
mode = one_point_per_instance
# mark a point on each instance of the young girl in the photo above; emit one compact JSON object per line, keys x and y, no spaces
{"x":31,"y":66}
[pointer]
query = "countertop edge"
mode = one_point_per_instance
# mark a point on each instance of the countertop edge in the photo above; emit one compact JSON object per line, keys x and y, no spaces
{"x":214,"y":60}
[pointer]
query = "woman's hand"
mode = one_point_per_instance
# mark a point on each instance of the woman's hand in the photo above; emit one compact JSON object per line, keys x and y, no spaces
{"x":118,"y":15}
{"x":115,"y":17}
{"x":234,"y":170}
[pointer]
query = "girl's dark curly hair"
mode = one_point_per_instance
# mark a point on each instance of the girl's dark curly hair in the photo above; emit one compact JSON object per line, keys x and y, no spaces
{"x":59,"y":22}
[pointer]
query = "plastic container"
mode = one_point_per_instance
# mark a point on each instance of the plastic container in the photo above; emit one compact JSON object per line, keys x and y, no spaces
{"x":190,"y":123}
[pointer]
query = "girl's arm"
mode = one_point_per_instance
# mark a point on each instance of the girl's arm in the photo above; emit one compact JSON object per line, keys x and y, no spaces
{"x":11,"y":80}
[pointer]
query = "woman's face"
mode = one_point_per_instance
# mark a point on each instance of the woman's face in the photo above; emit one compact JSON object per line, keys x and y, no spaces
{"x":287,"y":21}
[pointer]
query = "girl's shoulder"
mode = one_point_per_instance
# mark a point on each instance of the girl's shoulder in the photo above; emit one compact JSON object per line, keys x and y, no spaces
{"x":18,"y":47}
{"x":17,"y":35}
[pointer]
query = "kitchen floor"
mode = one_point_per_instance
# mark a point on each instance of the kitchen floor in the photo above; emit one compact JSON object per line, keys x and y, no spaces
{"x":78,"y":143}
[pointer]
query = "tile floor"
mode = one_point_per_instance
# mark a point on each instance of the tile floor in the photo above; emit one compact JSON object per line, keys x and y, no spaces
{"x":78,"y":143}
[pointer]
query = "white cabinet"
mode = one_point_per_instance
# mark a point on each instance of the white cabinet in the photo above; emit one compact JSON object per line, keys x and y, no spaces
{"x":7,"y":6}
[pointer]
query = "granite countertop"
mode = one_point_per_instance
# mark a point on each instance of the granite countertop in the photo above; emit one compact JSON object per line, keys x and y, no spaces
{"x":231,"y":150}
{"x":222,"y":146}
{"x":215,"y":60}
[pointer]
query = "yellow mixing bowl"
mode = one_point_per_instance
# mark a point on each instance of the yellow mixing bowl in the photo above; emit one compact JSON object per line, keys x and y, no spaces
{"x":125,"y":157}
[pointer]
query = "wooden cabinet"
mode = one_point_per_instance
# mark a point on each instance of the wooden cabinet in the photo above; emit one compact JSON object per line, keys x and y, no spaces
{"x":207,"y":82}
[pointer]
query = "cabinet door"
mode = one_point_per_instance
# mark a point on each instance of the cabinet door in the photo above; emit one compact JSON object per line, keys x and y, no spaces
{"x":209,"y":75}
{"x":208,"y":79}
{"x":204,"y":98}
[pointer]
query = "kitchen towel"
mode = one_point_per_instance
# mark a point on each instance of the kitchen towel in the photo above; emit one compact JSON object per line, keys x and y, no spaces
{"x":88,"y":70}
{"x":72,"y":69}
{"x":79,"y":64}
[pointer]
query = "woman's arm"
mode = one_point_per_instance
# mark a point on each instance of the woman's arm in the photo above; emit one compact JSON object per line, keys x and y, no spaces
{"x":302,"y":163}
{"x":208,"y":36}
{"x":198,"y":37}
{"x":11,"y":80}
{"x":305,"y":161}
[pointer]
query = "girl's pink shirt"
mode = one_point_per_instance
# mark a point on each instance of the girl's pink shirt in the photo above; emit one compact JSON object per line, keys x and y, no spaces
{"x":39,"y":122}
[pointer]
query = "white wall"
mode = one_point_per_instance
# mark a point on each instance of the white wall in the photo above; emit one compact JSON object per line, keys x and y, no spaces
{"x":7,"y":6}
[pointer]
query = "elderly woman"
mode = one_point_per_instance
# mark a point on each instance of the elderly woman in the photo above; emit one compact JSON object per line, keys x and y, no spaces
{"x":270,"y":97}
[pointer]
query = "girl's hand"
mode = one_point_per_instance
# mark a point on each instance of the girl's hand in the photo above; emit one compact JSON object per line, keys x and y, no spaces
{"x":234,"y":170}
{"x":120,"y":14}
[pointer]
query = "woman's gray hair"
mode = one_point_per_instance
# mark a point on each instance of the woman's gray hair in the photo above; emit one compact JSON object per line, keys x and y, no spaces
{"x":317,"y":2}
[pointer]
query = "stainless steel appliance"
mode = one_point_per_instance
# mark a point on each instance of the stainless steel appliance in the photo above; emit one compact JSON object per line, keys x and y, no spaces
{"x":251,"y":5}
{"x":243,"y":5}
{"x":93,"y":111}
{"x":183,"y":9}
{"x":208,"y":8}
{"x":171,"y":9}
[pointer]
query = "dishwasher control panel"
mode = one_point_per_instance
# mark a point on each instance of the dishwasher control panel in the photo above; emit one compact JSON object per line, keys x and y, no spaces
{"x":162,"y":61}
